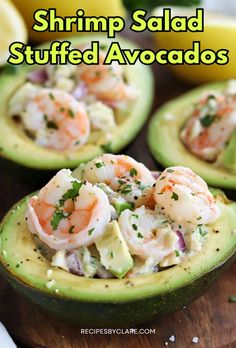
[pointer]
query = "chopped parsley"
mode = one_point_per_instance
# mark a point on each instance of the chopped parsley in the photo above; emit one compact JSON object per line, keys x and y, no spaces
{"x":100,"y":164}
{"x":51,"y":96}
{"x":174,"y":196}
{"x":71,"y":193}
{"x":52,"y":125}
{"x":177,"y":253}
{"x":121,"y":182}
{"x":71,"y":113}
{"x":202,"y":232}
{"x":112,"y":255}
{"x":135,"y":216}
{"x":135,"y":227}
{"x":119,"y":207}
{"x":56,"y":218}
{"x":207,"y":120}
{"x":71,"y":230}
{"x":133,"y":172}
{"x":170,"y":170}
{"x":126,"y":189}
{"x":140,"y":235}
{"x":91,"y":231}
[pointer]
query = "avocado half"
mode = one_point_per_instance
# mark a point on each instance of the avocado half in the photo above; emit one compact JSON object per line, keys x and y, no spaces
{"x":113,"y":302}
{"x":17,"y":147}
{"x":167,"y":147}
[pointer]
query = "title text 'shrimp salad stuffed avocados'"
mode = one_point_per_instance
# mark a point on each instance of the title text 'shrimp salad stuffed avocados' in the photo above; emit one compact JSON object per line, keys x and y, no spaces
{"x":198,"y":130}
{"x":58,"y":116}
{"x":114,"y":244}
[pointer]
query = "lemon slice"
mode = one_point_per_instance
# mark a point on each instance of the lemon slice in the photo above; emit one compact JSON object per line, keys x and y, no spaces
{"x":219,"y":33}
{"x":12,"y":28}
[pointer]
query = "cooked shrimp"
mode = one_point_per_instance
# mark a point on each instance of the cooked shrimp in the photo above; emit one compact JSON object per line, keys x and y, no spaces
{"x":212,"y":124}
{"x":184,"y":197}
{"x":106,"y":82}
{"x":147,"y":236}
{"x":67,"y":213}
{"x":53,"y":118}
{"x":123,"y":174}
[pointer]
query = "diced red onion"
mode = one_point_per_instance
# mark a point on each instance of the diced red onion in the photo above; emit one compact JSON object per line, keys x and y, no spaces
{"x":73,"y":263}
{"x":181,"y":241}
{"x":80,"y":91}
{"x":38,"y":76}
{"x":156,"y":175}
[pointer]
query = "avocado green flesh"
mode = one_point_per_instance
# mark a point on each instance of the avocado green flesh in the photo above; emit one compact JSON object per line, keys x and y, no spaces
{"x":114,"y":251}
{"x":16,"y":146}
{"x":229,"y":156}
{"x":113,"y":302}
{"x":167,"y":147}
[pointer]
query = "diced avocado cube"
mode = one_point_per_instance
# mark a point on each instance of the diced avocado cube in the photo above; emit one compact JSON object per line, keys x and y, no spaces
{"x":114,"y":252}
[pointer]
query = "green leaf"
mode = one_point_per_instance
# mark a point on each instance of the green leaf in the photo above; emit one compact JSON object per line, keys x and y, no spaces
{"x":56,"y":218}
{"x":133,"y":172}
{"x":126,"y":189}
{"x":100,"y":164}
{"x":174,"y":196}
{"x":207,"y":120}
{"x":51,"y":124}
{"x":119,"y":207}
{"x":91,"y":231}
{"x":73,"y":192}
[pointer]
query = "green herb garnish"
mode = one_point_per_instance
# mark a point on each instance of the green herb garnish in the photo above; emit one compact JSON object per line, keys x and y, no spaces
{"x":71,"y":193}
{"x":52,"y":125}
{"x":71,"y":113}
{"x":56,"y":218}
{"x":135,"y":227}
{"x":91,"y":231}
{"x":140,"y":235}
{"x":100,"y":164}
{"x":207,"y":120}
{"x":119,"y":207}
{"x":51,"y":96}
{"x":126,"y":189}
{"x":71,"y":230}
{"x":177,"y":253}
{"x":174,"y":196}
{"x":133,"y":172}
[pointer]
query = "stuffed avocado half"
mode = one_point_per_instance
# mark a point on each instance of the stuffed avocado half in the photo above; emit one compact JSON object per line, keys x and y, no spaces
{"x":198,"y":129}
{"x":79,"y":111}
{"x":112,"y":244}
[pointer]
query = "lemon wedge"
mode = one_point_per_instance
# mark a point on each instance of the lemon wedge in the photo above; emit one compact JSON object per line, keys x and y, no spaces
{"x":219,"y":33}
{"x":12,"y":28}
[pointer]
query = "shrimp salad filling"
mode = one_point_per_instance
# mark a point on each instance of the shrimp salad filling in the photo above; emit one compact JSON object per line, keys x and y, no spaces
{"x":208,"y":131}
{"x":112,"y":217}
{"x":63,"y":107}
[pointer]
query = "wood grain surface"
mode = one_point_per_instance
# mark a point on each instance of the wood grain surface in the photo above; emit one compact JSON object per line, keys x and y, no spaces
{"x":211,"y":318}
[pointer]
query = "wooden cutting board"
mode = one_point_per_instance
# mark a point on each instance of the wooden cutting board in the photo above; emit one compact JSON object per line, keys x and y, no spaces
{"x":211,"y":318}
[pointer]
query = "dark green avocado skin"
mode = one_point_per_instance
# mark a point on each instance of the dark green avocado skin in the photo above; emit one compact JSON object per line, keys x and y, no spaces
{"x":117,"y":314}
{"x":124,"y":302}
